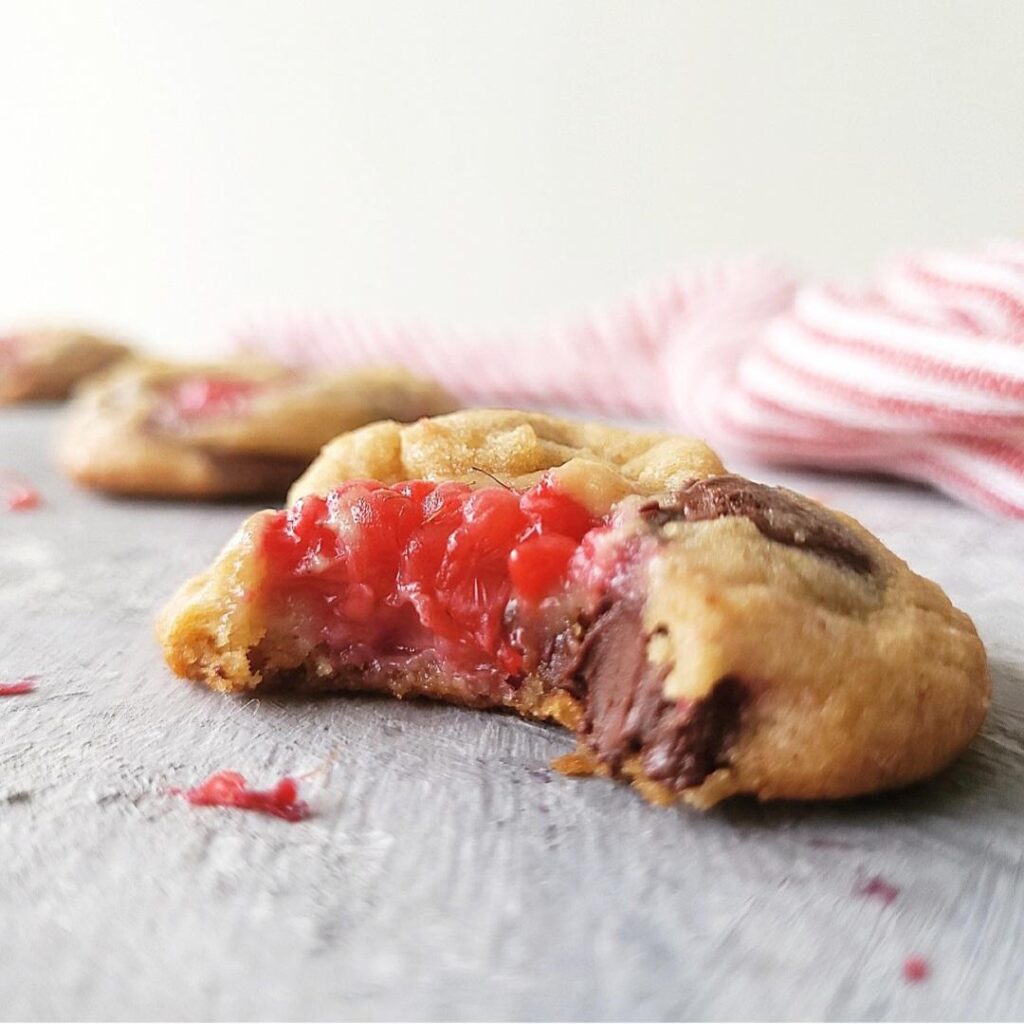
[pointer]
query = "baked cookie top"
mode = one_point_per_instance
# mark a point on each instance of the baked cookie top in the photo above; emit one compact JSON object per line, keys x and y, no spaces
{"x":242,"y":427}
{"x":45,"y":364}
{"x":598,"y":464}
{"x":703,"y":634}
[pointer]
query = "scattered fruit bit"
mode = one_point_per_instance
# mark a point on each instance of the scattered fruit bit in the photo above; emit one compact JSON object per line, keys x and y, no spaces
{"x":878,"y":888}
{"x":16,"y":689}
{"x":18,"y":494}
{"x":915,"y":969}
{"x":229,"y":789}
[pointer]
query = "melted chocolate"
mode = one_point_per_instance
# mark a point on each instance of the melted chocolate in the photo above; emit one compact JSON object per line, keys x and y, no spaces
{"x":679,"y":742}
{"x":780,"y":515}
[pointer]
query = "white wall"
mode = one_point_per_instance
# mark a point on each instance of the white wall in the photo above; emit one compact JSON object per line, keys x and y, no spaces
{"x":167,"y":167}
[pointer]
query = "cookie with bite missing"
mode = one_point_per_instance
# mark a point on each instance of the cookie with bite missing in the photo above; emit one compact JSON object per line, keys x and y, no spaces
{"x":45,"y":365}
{"x":232,"y":429}
{"x":702,"y":635}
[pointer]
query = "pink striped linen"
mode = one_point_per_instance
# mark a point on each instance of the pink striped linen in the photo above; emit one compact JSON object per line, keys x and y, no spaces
{"x":919,"y":374}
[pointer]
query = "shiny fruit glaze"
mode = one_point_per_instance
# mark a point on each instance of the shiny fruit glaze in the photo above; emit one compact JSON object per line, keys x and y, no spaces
{"x":416,"y":567}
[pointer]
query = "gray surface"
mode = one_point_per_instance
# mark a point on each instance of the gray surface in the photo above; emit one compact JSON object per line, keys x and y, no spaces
{"x":448,"y":872}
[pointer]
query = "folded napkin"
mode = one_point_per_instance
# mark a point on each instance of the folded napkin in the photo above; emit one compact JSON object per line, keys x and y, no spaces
{"x":918,"y":374}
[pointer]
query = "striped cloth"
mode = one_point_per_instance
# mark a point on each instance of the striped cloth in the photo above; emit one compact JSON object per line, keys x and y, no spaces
{"x":919,"y":374}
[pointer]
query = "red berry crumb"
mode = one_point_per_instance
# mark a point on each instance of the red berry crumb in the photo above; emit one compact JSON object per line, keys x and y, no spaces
{"x":18,"y":494}
{"x":229,"y":789}
{"x":880,"y":889}
{"x":915,"y":969}
{"x":16,"y":689}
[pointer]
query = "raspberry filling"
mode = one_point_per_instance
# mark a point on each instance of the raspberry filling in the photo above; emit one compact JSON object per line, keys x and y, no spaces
{"x":468,"y":576}
{"x":202,"y":396}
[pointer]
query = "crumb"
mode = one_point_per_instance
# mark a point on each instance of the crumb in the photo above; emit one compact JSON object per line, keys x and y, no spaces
{"x":17,"y":494}
{"x":229,"y":789}
{"x":579,"y":762}
{"x":16,"y":689}
{"x":915,"y":969}
{"x":878,"y":888}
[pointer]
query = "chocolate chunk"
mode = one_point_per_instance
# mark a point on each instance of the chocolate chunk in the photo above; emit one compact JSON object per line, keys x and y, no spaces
{"x":563,"y":656}
{"x":779,"y":514}
{"x":679,"y":743}
{"x":690,"y":738}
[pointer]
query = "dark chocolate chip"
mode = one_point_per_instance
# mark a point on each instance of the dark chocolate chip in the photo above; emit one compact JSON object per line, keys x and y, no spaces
{"x":689,"y":740}
{"x":780,"y":515}
{"x":626,"y":713}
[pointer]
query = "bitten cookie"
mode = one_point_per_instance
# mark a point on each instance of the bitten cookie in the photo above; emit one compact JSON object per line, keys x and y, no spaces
{"x":44,"y":365}
{"x":703,"y":635}
{"x":223,"y":430}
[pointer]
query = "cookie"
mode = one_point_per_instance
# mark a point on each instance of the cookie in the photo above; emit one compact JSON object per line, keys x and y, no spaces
{"x":223,"y":430}
{"x":702,"y":634}
{"x":45,"y":365}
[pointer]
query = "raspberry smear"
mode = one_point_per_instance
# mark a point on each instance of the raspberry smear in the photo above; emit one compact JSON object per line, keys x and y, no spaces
{"x":915,"y":969}
{"x":878,"y":888}
{"x":16,"y":689}
{"x":229,"y":789}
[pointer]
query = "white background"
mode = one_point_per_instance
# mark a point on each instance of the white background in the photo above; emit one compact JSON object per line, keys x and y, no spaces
{"x":167,"y":168}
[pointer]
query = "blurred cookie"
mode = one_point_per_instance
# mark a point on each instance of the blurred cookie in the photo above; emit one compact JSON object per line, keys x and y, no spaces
{"x":45,"y":365}
{"x":230,"y":429}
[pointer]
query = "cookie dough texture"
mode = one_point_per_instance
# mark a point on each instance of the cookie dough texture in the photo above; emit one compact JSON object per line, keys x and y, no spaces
{"x":45,"y":365}
{"x":858,"y":674}
{"x":764,"y":644}
{"x":120,"y":435}
{"x":598,"y":464}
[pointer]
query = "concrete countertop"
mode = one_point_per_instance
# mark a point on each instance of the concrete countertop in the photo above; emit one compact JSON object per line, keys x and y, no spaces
{"x":447,"y":872}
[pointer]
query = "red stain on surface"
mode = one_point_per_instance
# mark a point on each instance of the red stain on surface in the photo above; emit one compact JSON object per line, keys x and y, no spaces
{"x":830,"y":844}
{"x":878,"y":888}
{"x":16,"y":689}
{"x":915,"y":969}
{"x":18,"y":494}
{"x":229,"y":789}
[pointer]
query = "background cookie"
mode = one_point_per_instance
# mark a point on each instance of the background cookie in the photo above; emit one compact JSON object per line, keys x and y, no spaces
{"x":225,"y":429}
{"x":44,"y":365}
